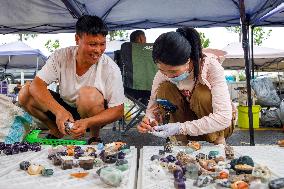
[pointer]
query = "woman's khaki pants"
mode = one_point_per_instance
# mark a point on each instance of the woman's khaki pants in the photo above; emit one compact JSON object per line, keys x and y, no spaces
{"x":200,"y":105}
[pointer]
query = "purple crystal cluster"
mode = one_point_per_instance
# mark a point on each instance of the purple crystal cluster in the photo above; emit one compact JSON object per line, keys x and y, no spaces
{"x":18,"y":147}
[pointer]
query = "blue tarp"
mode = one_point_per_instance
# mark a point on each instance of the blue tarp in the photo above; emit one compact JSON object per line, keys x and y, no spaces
{"x":19,"y":55}
{"x":53,"y":16}
{"x":273,"y":18}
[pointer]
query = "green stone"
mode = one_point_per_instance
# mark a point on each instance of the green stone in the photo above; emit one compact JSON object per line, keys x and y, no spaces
{"x":123,"y":167}
{"x":189,"y":150}
{"x":213,"y":153}
{"x":98,"y":162}
{"x":47,"y":172}
{"x":126,"y":151}
{"x":111,"y":176}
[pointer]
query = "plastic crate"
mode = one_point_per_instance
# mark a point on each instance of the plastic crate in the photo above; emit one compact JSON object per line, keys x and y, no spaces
{"x":3,"y":87}
{"x":33,"y":137}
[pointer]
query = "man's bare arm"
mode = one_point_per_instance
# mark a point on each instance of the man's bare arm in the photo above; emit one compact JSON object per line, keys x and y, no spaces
{"x":107,"y":116}
{"x":40,"y":93}
{"x":44,"y":99}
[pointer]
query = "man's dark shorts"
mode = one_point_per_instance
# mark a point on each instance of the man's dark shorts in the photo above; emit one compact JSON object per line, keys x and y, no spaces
{"x":72,"y":110}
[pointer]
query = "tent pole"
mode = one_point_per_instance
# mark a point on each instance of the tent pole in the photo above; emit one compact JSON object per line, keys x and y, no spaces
{"x":36,"y":64}
{"x":245,"y":41}
{"x":279,"y":82}
{"x":251,"y":47}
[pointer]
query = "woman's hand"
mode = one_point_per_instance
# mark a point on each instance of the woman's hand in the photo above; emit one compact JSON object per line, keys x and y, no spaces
{"x":166,"y":130}
{"x":146,"y":125}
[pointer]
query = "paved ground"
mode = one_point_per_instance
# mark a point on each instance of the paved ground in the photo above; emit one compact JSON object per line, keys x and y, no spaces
{"x":239,"y":137}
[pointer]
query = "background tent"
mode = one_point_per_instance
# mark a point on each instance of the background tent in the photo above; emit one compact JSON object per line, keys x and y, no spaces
{"x":58,"y":16}
{"x":19,"y":55}
{"x":265,"y":59}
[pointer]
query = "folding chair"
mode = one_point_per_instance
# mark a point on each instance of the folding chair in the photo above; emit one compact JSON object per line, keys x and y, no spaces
{"x":138,"y":71}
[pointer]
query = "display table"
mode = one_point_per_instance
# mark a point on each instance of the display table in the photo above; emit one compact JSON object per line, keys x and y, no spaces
{"x":272,"y":156}
{"x":11,"y":176}
{"x":144,"y":179}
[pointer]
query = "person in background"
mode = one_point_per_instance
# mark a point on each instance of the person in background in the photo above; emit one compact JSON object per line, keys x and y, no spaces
{"x":17,"y":88}
{"x":138,"y":36}
{"x":193,"y":81}
{"x":90,"y":85}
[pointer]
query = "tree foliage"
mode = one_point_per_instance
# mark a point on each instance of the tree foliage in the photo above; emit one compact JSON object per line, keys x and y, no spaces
{"x":118,"y":35}
{"x":204,"y":41}
{"x":259,"y":34}
{"x":52,"y":45}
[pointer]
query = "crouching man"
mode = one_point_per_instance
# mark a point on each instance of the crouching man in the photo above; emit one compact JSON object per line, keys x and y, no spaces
{"x":90,"y":85}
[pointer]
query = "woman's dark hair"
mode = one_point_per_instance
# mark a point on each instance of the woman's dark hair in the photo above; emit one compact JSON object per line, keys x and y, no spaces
{"x":92,"y":25}
{"x":135,"y":35}
{"x":176,"y":48}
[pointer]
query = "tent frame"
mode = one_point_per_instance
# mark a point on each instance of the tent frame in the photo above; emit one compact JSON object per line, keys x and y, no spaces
{"x":76,"y":9}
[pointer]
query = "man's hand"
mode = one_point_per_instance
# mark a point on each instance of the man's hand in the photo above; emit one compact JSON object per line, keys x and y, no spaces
{"x":146,"y":125}
{"x":79,"y":128}
{"x":166,"y":130}
{"x":62,"y":117}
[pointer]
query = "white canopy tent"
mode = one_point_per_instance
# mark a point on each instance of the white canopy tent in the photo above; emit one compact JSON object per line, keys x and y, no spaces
{"x":19,"y":55}
{"x":265,"y":59}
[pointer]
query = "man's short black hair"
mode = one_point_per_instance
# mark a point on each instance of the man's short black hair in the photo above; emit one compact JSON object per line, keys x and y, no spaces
{"x":135,"y":35}
{"x":92,"y":25}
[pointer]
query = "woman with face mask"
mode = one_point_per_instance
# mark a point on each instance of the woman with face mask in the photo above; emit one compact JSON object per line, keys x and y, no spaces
{"x":194,"y":82}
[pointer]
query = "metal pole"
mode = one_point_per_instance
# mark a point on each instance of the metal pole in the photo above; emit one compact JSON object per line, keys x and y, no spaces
{"x":36,"y":64}
{"x":279,"y":82}
{"x":245,"y":43}
{"x":251,"y":47}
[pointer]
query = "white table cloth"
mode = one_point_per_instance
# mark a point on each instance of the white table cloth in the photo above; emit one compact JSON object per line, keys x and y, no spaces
{"x":11,"y":176}
{"x":272,"y":156}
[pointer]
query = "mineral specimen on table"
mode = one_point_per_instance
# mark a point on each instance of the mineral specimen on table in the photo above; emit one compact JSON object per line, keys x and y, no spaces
{"x":67,"y":162}
{"x":47,"y":172}
{"x":98,"y":162}
{"x":155,"y":157}
{"x":24,"y":165}
{"x":168,"y":147}
{"x":229,"y":152}
{"x":35,"y":169}
{"x":121,"y":155}
{"x":203,"y":180}
{"x":194,"y":145}
{"x":111,"y":176}
{"x":262,"y":172}
{"x":192,"y":171}
{"x":86,"y":163}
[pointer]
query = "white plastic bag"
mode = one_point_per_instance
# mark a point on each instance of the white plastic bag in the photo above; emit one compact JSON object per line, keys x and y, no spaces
{"x":265,"y":92}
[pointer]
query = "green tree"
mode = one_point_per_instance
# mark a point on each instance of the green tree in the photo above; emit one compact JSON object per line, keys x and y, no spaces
{"x":118,"y":35}
{"x":52,"y":45}
{"x":204,"y":41}
{"x":259,"y":34}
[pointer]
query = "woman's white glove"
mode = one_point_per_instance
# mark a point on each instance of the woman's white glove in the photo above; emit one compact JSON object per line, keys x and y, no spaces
{"x":166,"y":130}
